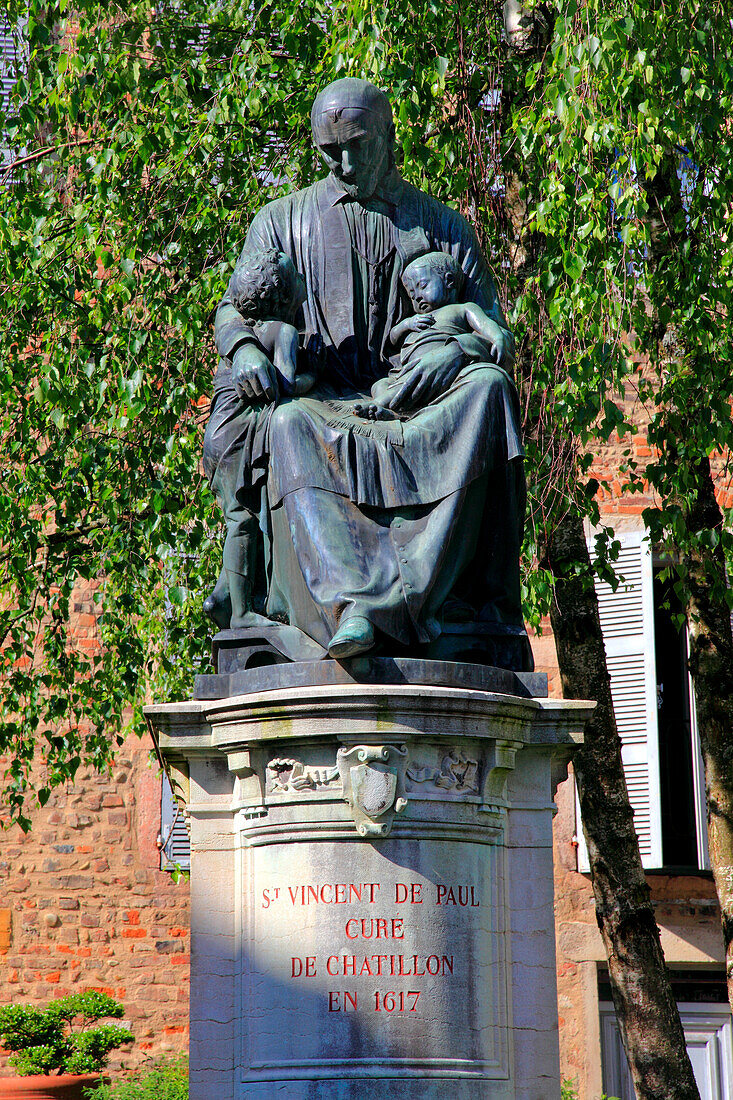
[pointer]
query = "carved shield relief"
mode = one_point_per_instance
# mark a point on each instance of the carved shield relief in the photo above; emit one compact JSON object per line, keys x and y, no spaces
{"x":374,"y":785}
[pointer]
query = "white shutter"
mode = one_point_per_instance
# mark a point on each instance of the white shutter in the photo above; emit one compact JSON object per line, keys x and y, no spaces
{"x":627,"y":622}
{"x":176,"y":848}
{"x":7,"y":59}
{"x":698,"y":784}
{"x":12,"y":60}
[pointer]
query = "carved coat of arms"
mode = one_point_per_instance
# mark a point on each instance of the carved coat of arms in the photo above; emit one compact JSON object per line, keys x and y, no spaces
{"x":373,"y":778}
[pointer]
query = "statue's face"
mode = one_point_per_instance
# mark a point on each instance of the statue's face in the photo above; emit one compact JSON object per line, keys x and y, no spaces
{"x":429,"y":289}
{"x":355,"y":149}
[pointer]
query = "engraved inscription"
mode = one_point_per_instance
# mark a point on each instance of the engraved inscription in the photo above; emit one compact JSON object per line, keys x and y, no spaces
{"x":356,"y":939}
{"x":392,"y":961}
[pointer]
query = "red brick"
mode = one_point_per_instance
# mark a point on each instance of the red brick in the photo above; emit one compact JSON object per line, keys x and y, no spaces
{"x":133,"y":933}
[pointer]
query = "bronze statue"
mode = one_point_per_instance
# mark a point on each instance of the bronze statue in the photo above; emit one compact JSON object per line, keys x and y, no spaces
{"x":383,"y":508}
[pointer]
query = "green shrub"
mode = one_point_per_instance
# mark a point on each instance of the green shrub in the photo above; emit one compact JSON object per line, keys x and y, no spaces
{"x":569,"y":1091}
{"x":163,"y":1080}
{"x":58,"y":1039}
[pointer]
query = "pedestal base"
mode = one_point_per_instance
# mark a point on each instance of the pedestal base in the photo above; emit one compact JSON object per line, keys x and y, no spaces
{"x":371,"y":889}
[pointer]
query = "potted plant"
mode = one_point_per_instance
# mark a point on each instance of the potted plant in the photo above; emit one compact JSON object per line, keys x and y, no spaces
{"x":56,"y":1053}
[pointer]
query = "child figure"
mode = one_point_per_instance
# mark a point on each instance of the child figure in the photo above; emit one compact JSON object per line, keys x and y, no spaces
{"x":267,"y":291}
{"x":441,"y":333}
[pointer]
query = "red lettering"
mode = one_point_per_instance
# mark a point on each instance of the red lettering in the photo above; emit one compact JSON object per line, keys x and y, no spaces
{"x":293,"y":891}
{"x":372,"y":887}
{"x":340,"y":893}
{"x":391,"y":1001}
{"x":310,"y":966}
{"x":365,"y":968}
{"x":312,"y":894}
{"x":323,"y":897}
{"x":473,"y":900}
{"x":296,"y":967}
{"x":334,"y":958}
{"x":433,"y":964}
{"x":354,"y":892}
{"x":349,"y":997}
{"x":447,"y":961}
{"x":333,"y":1002}
{"x":411,"y":892}
{"x":348,"y":961}
{"x":441,"y":894}
{"x":375,"y":928}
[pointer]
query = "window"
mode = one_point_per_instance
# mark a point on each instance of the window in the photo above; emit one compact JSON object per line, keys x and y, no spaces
{"x":706,"y":1021}
{"x":655,"y":712}
{"x":175,"y":848}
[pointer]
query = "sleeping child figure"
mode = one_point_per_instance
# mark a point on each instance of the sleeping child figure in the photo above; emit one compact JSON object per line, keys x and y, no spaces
{"x":441,"y":337}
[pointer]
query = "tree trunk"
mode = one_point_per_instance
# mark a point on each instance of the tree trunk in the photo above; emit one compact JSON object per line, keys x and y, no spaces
{"x":645,"y":1006}
{"x":711,"y":665}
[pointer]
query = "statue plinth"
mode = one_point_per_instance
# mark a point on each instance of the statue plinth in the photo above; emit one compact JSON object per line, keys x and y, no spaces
{"x":371,"y":882}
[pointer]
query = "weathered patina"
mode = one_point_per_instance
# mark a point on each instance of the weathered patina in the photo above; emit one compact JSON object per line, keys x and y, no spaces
{"x":401,"y":533}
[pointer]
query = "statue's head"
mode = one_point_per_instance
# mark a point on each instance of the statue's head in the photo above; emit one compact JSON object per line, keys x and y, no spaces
{"x":265,"y":286}
{"x":433,"y":280}
{"x":354,"y":133}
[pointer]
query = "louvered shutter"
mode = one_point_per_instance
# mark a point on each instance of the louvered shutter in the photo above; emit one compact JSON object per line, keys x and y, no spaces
{"x":7,"y":59}
{"x":627,"y":621}
{"x":176,"y":849}
{"x":12,"y":49}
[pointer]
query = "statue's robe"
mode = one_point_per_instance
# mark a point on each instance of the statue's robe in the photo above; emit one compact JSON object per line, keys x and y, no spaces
{"x":404,"y":521}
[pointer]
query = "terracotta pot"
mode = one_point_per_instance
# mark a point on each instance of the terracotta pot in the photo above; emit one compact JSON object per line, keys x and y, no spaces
{"x":67,"y":1086}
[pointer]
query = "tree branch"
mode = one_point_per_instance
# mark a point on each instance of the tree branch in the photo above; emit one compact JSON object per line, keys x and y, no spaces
{"x":44,"y":152}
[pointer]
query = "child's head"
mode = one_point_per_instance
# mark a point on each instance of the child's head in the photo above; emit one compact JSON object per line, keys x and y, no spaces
{"x":433,"y":280}
{"x":266,"y":287}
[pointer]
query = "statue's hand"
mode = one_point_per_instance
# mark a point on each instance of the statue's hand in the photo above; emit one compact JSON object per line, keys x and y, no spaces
{"x":254,"y":376}
{"x":420,"y":321}
{"x":428,"y":379}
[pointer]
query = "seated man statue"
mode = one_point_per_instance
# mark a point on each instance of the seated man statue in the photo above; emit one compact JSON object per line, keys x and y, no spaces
{"x":401,"y":533}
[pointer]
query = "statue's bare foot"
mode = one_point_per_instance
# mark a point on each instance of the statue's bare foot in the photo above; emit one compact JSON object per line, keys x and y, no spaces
{"x":355,"y":635}
{"x":374,"y":412}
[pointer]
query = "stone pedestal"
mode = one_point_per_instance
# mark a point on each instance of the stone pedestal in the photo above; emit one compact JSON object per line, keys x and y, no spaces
{"x":371,"y":883}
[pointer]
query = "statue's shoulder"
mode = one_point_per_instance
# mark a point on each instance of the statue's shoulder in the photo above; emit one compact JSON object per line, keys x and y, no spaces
{"x":444,"y":220}
{"x":285,"y":205}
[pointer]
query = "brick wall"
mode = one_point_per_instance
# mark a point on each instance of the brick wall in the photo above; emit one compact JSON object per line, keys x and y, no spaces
{"x":84,"y":905}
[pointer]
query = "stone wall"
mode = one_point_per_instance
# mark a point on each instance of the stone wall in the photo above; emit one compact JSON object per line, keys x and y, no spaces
{"x":84,"y":905}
